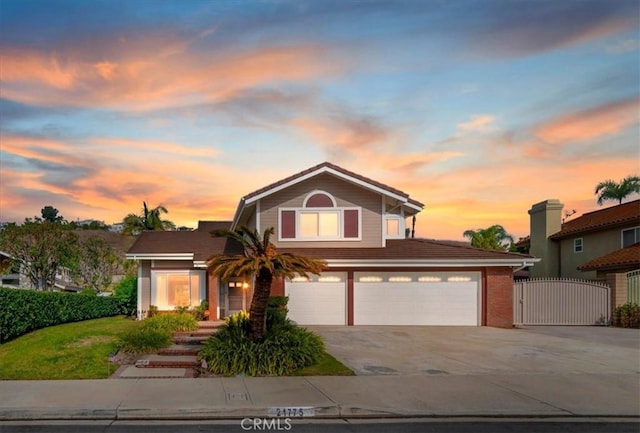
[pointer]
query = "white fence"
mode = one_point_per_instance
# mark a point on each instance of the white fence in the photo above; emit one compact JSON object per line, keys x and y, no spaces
{"x":561,"y":301}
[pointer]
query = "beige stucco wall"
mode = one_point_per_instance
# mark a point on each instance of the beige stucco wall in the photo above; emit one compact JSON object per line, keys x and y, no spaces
{"x":345,"y":194}
{"x":545,"y":220}
{"x":594,"y":245}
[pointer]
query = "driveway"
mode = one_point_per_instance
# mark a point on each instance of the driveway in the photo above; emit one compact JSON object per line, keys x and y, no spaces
{"x":413,"y":350}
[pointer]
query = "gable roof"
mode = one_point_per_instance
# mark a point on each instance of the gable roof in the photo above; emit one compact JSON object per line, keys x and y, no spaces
{"x":613,"y":216}
{"x":327,"y":167}
{"x":627,"y":257}
{"x":415,"y":252}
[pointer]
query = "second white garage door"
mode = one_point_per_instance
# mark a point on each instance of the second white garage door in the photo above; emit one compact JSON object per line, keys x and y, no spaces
{"x":386,"y":298}
{"x":319,"y":300}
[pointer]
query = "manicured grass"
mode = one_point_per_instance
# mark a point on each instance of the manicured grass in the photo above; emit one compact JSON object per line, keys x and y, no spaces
{"x":76,"y":350}
{"x":328,"y":366}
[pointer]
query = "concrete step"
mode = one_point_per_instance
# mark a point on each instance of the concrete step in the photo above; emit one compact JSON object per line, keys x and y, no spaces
{"x":168,"y":361}
{"x":133,"y":372}
{"x":210,"y":324}
{"x":199,"y":333}
{"x":189,"y":340}
{"x":181,"y":349}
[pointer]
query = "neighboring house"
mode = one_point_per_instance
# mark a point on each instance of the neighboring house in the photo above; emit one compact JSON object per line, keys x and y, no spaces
{"x":578,"y":248}
{"x":375,"y":275}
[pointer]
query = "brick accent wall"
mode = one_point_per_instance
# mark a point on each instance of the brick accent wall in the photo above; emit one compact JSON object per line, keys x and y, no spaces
{"x":277,"y":287}
{"x":499,"y":297}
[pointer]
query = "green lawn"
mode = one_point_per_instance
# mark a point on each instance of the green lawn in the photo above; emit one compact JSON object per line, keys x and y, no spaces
{"x":328,"y":366}
{"x":78,"y":350}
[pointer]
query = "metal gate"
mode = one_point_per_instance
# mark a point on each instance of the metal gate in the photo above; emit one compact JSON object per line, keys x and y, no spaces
{"x":560,"y":301}
{"x":633,"y":286}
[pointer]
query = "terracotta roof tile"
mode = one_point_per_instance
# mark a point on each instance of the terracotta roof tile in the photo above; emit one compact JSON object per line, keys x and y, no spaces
{"x":401,"y":249}
{"x":628,"y":257}
{"x":200,"y":242}
{"x":610,"y":217}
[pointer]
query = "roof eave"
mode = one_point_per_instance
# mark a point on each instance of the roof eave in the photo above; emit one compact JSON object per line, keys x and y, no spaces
{"x":159,"y":256}
{"x":440,"y":263}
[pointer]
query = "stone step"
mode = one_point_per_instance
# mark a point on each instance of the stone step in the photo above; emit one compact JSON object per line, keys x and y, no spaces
{"x":168,"y":361}
{"x":133,"y":372}
{"x":181,"y":349}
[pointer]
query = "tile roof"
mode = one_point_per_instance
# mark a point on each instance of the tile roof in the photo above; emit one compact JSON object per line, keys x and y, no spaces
{"x":338,"y":169}
{"x":603,"y":218}
{"x":200,"y":242}
{"x":628,"y":257}
{"x":408,"y":249}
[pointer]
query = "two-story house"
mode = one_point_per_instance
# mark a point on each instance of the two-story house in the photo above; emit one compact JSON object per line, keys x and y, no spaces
{"x":585,"y":247}
{"x":376,"y":274}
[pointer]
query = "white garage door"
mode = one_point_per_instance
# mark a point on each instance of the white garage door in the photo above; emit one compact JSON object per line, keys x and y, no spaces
{"x":318,"y":300}
{"x":412,"y":298}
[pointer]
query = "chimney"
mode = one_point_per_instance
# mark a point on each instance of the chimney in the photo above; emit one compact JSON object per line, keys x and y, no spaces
{"x":545,"y":219}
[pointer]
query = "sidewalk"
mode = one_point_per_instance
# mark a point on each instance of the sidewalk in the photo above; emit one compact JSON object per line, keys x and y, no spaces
{"x":525,"y":395}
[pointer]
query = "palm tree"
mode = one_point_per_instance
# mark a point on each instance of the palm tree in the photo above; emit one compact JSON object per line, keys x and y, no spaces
{"x":492,"y":238}
{"x":610,"y":190}
{"x":261,"y":261}
{"x":150,"y":219}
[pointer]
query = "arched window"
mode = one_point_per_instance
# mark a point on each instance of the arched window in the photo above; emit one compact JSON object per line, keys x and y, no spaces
{"x":320,"y":219}
{"x":319,"y":199}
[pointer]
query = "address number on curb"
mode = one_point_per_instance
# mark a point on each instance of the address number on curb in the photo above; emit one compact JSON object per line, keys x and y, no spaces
{"x":290,"y":412}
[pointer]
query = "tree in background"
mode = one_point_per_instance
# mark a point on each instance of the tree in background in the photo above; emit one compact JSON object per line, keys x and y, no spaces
{"x":50,"y":214}
{"x":262,"y":262}
{"x":96,"y":264}
{"x":612,"y":190}
{"x":41,"y":248}
{"x":150,"y":219}
{"x":492,"y":238}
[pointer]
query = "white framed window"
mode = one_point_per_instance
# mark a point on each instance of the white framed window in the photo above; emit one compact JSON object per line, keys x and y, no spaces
{"x":394,"y":227}
{"x":577,"y":245}
{"x":320,"y":219}
{"x":177,"y":288}
{"x":630,"y":236}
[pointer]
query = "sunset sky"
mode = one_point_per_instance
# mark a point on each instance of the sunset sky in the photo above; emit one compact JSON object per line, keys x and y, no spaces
{"x":476,"y":108}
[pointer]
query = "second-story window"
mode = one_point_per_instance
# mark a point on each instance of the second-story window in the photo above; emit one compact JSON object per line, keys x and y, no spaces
{"x":577,"y":245}
{"x":320,"y":219}
{"x":630,"y":236}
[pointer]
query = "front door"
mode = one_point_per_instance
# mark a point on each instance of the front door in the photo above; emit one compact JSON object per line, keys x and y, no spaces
{"x":236,"y":300}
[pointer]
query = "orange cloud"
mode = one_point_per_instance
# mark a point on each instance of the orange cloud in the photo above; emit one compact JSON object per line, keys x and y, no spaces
{"x":593,"y":123}
{"x":478,"y":123}
{"x":139,"y":77}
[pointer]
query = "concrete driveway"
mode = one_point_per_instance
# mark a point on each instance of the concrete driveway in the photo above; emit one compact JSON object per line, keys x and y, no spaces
{"x":409,"y":350}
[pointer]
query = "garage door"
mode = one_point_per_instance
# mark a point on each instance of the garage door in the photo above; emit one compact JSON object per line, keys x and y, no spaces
{"x":319,"y":300}
{"x":445,"y":298}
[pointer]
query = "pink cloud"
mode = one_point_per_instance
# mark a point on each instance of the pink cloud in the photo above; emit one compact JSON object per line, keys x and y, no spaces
{"x":605,"y":120}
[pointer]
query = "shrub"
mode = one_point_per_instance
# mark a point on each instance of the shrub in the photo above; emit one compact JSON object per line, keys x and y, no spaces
{"x":127,"y":293}
{"x":284,"y":349}
{"x":23,"y":311}
{"x":155,"y":333}
{"x":200,"y":312}
{"x":627,"y":315}
{"x":277,"y":311}
{"x":144,"y":340}
{"x":172,"y":322}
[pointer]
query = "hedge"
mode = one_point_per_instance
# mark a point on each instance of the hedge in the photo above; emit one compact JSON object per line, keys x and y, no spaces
{"x":22,"y":311}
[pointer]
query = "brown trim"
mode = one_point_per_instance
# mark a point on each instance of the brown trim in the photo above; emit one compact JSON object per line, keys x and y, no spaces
{"x":483,"y":309}
{"x":350,"y":303}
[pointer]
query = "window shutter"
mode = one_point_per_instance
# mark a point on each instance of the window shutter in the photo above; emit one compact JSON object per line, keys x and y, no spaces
{"x":351,"y":221}
{"x":288,"y":224}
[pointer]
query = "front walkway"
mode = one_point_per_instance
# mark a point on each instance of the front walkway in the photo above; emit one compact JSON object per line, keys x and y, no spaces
{"x":176,"y":361}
